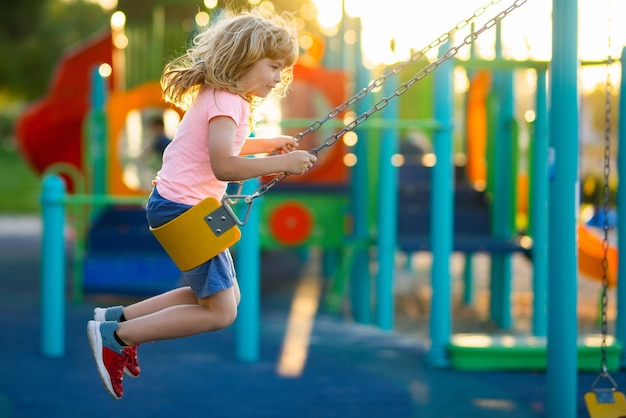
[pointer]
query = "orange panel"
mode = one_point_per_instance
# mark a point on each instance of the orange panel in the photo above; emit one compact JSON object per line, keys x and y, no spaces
{"x":591,"y":255}
{"x":148,"y":95}
{"x":476,"y":125}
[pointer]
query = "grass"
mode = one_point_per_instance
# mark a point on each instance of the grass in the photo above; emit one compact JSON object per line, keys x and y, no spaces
{"x":20,"y":185}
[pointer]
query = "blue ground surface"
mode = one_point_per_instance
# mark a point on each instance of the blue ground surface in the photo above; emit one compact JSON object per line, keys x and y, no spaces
{"x":351,"y":370}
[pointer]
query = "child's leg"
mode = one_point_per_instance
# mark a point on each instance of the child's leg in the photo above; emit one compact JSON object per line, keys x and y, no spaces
{"x":236,"y":289}
{"x":179,"y":296}
{"x":207,"y":314}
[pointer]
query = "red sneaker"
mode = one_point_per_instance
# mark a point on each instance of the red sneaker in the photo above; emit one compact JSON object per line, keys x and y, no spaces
{"x":110,"y":363}
{"x":132,"y":368}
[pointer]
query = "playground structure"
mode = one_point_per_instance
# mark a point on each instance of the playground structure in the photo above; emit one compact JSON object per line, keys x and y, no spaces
{"x":98,"y":165}
{"x":498,"y":238}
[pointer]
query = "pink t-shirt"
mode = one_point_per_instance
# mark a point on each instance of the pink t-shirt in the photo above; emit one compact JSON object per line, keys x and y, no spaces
{"x":186,"y":175}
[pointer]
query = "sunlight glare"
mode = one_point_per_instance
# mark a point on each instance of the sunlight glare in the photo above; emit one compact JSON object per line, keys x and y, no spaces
{"x":413,"y":31}
{"x":328,"y":15}
{"x":299,"y":327}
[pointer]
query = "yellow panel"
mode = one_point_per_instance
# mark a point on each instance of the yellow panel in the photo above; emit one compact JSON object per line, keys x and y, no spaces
{"x":614,"y":409}
{"x":190,"y":241}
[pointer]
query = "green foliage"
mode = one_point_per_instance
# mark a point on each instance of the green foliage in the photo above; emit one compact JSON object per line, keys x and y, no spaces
{"x":34,"y":34}
{"x":20,"y":186}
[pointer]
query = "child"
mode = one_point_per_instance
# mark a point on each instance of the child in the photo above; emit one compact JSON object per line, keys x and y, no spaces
{"x":230,"y":68}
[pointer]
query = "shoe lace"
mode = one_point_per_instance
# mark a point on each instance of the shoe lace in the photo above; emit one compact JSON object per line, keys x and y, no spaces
{"x":118,"y":367}
{"x":131,"y":354}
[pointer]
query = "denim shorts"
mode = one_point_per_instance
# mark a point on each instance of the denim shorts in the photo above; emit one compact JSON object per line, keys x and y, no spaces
{"x":207,"y":279}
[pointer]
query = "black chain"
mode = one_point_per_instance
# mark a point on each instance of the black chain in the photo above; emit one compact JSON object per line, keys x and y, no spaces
{"x":396,"y":69}
{"x":605,"y":205}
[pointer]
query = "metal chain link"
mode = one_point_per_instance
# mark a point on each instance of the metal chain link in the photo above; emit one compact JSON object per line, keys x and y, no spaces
{"x":378,"y":82}
{"x":605,"y":205}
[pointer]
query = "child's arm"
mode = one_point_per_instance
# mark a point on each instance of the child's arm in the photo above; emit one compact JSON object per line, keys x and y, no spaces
{"x":229,"y":167}
{"x":279,"y":145}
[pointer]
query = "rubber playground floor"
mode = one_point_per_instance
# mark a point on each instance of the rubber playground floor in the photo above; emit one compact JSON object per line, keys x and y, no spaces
{"x":351,"y":370}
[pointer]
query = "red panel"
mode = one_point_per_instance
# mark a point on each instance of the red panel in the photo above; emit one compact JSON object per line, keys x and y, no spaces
{"x":50,"y":130}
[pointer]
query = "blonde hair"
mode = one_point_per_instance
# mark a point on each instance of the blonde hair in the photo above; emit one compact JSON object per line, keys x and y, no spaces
{"x":222,"y":54}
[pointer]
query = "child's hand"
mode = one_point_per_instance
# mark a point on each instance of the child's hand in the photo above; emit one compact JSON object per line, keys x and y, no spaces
{"x":299,"y":162}
{"x":283,"y":145}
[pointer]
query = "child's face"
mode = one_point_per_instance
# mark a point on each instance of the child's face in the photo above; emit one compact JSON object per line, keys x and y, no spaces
{"x":263,"y":76}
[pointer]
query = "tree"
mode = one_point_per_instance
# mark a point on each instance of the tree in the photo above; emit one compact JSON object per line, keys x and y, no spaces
{"x":34,"y":34}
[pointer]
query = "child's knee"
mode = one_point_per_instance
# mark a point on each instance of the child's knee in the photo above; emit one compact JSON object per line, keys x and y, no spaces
{"x":221,"y":309}
{"x":219,"y":317}
{"x":228,"y":316}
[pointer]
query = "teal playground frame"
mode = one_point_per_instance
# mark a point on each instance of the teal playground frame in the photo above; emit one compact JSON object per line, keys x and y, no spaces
{"x":554,"y":265}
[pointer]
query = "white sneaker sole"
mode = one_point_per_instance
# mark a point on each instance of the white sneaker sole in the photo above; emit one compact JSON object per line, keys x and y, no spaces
{"x":95,"y":340}
{"x":99,"y":314}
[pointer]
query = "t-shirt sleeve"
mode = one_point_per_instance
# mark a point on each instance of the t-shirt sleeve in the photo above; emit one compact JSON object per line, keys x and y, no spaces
{"x":228,"y":104}
{"x":235,"y":107}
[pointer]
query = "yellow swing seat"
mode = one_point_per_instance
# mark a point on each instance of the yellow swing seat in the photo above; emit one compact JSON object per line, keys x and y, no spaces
{"x":611,"y":404}
{"x":199,"y":234}
{"x":606,"y":401}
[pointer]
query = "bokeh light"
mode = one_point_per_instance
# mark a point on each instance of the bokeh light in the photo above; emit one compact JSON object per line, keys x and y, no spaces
{"x":350,"y":138}
{"x":350,"y":159}
{"x":108,"y":4}
{"x":118,"y":20}
{"x":120,"y":41}
{"x":105,"y":70}
{"x":202,"y":19}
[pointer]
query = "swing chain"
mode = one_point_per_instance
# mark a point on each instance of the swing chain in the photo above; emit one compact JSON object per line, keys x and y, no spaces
{"x":605,"y":400}
{"x":401,"y":89}
{"x":396,"y":69}
{"x":605,"y":206}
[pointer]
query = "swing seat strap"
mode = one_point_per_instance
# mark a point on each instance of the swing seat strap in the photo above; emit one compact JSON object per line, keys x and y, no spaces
{"x":199,"y":234}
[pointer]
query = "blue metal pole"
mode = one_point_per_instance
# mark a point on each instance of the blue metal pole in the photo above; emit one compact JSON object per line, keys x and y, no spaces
{"x":53,"y":267}
{"x":468,"y":279}
{"x":502,"y":193}
{"x":441,"y":218}
{"x":539,"y":207}
{"x":249,"y":277}
{"x":620,"y":323}
{"x":502,"y":203}
{"x":562,"y":377}
{"x":495,"y":168}
{"x":96,"y":159}
{"x":387,"y":214}
{"x":360,"y":279}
